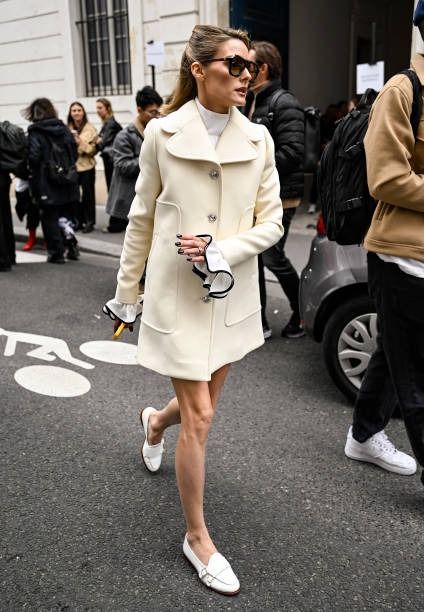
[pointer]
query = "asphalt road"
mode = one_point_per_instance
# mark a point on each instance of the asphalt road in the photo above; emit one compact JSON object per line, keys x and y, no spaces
{"x":84,"y":527}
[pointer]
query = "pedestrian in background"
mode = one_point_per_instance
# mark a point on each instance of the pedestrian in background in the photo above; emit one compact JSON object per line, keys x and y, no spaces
{"x":395,"y":245}
{"x":53,"y":179}
{"x":287,"y":130}
{"x":106,"y":137}
{"x":7,"y":237}
{"x":126,"y":151}
{"x":85,"y":135}
{"x":13,"y":160}
{"x":207,"y":202}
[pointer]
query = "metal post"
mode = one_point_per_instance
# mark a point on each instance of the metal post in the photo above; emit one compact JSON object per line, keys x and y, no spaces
{"x":153,"y":77}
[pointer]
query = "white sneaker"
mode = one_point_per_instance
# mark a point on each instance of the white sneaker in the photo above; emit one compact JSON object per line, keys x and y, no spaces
{"x":382,"y":452}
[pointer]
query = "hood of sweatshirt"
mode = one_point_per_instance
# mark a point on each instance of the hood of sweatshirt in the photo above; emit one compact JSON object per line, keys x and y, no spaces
{"x":55,"y":128}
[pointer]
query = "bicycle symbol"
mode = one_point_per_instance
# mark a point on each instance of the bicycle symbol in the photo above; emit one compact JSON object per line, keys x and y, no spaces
{"x":58,"y":381}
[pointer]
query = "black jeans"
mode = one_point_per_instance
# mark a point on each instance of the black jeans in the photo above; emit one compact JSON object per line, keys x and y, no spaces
{"x":87,"y":209}
{"x":396,"y":369}
{"x":280,"y":265}
{"x":7,"y":237}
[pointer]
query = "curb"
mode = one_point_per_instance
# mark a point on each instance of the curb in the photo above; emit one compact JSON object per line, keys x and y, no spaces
{"x":86,"y":245}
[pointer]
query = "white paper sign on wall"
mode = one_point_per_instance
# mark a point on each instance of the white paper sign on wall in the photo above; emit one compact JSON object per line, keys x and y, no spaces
{"x":369,"y":75}
{"x":155,"y":53}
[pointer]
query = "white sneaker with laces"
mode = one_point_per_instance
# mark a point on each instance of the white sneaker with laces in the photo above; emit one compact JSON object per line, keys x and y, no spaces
{"x":382,"y":452}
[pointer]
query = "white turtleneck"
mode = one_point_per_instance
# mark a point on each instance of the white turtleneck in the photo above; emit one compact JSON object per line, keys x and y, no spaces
{"x":214,"y":122}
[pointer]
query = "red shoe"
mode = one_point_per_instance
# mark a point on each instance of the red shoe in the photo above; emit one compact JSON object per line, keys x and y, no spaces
{"x":31,"y":242}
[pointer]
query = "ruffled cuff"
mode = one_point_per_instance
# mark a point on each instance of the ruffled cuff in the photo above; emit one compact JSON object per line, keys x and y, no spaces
{"x":215,"y":272}
{"x":127,"y":313}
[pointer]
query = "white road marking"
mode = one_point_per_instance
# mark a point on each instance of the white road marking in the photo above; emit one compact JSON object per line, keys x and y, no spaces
{"x":48,"y":348}
{"x":23,"y":257}
{"x":110,"y":351}
{"x":52,"y":381}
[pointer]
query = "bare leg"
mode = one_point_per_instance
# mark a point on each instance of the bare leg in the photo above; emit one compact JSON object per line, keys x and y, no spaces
{"x":197,"y":402}
{"x":158,"y":422}
{"x":170,"y":415}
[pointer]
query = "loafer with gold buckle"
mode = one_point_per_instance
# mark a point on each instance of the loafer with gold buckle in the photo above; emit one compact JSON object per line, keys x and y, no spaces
{"x":217,"y":574}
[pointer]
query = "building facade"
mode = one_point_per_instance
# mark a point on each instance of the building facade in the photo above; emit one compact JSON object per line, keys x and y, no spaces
{"x":82,"y":49}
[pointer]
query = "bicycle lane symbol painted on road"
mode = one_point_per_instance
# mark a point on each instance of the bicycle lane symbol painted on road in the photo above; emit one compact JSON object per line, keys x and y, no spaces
{"x":57,"y":381}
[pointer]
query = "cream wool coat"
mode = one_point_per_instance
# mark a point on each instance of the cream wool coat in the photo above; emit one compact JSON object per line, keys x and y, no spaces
{"x":186,"y":186}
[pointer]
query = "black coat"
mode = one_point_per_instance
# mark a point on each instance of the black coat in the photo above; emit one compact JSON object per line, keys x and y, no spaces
{"x":288,"y":133}
{"x":39,"y":153}
{"x":109,"y":130}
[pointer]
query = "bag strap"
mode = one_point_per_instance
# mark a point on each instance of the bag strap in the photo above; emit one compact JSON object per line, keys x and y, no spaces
{"x":417,"y":98}
{"x":272,"y":106}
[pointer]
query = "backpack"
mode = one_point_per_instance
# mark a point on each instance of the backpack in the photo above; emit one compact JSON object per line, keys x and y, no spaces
{"x":13,"y":149}
{"x":60,"y":167}
{"x":347,"y":206}
{"x":312,"y":132}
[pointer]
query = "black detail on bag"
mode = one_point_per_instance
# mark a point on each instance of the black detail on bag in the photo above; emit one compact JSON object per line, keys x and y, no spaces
{"x":13,"y":149}
{"x":60,"y":167}
{"x":347,"y":206}
{"x":312,"y":140}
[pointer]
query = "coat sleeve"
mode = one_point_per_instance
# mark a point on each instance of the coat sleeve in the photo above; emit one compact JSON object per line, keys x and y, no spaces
{"x":138,"y":236}
{"x":389,"y":145}
{"x":124,"y":157}
{"x":268,"y":227}
{"x":289,"y":131}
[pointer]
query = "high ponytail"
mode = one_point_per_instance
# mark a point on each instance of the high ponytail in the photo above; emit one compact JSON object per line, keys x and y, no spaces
{"x":202,"y":46}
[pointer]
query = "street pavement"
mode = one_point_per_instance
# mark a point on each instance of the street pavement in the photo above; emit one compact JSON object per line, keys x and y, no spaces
{"x":84,"y":527}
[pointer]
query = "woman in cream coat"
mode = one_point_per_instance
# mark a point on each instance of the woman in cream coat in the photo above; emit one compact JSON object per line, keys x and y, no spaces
{"x":207,"y":202}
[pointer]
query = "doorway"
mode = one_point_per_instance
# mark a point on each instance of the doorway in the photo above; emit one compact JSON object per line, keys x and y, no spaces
{"x":264,"y":20}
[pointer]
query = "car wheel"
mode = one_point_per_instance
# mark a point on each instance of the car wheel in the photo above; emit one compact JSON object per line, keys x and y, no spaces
{"x":348,"y":343}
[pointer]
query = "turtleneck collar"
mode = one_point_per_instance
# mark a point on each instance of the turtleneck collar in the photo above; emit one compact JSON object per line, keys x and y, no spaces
{"x":214,"y":122}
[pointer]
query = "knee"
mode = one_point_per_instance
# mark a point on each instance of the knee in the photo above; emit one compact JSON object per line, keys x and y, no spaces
{"x":197,"y":422}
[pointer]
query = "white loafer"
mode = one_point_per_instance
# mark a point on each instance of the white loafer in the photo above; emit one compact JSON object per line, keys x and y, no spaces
{"x":151,"y":454}
{"x":217,"y":575}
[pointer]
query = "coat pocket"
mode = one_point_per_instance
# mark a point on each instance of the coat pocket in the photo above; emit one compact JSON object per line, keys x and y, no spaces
{"x":161,"y":289}
{"x":243,"y":300}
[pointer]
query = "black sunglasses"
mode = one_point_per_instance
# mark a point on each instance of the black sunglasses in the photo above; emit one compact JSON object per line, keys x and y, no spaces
{"x":237,"y":64}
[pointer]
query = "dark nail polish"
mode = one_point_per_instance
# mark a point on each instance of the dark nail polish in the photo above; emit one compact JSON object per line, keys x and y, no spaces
{"x":180,"y":251}
{"x":178,"y":244}
{"x":188,"y":258}
{"x":179,"y":235}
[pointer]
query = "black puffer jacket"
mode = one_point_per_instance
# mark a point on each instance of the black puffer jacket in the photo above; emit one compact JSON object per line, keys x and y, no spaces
{"x":288,"y":134}
{"x":43,"y":190}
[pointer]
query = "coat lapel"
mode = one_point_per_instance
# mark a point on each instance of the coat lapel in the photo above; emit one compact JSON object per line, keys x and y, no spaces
{"x":190,"y":139}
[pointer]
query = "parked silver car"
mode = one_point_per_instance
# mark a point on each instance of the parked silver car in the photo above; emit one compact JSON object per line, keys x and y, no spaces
{"x":336,"y":309}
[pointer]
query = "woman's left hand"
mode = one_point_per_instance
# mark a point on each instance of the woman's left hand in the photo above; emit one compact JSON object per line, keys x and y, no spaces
{"x":192,"y":247}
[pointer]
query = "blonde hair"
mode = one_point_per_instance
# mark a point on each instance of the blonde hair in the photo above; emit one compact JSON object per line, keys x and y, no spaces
{"x":202,"y":46}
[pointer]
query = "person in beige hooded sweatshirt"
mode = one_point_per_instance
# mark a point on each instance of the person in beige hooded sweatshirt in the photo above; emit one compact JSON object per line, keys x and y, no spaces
{"x":207,"y":202}
{"x":395,"y":245}
{"x":85,"y":135}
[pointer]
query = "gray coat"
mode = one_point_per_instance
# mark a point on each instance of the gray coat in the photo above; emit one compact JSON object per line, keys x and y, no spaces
{"x":126,"y":151}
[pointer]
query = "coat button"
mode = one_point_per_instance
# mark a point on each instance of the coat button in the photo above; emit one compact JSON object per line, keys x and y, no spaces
{"x":211,"y":218}
{"x":214,"y":174}
{"x":206,"y":299}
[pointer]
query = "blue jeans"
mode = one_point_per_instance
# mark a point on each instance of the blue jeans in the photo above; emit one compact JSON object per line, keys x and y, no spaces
{"x":396,"y":369}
